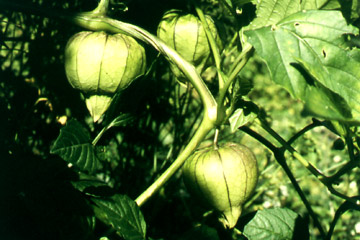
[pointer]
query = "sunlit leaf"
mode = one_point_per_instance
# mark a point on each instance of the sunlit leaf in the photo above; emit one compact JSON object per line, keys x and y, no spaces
{"x":276,"y":224}
{"x":269,"y":12}
{"x":315,"y":37}
{"x":319,"y":4}
{"x":240,"y":118}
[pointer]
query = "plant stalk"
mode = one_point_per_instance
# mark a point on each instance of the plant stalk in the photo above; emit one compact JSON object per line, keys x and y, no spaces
{"x":240,"y":62}
{"x":102,"y":8}
{"x":213,"y":45}
{"x":204,"y":128}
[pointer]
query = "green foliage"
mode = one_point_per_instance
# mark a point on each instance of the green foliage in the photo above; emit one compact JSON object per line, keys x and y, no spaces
{"x":276,"y":223}
{"x":74,"y":146}
{"x":315,"y":37}
{"x":123,"y":214}
{"x":285,"y":83}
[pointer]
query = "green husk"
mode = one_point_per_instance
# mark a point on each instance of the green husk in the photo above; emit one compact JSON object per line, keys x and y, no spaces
{"x":99,"y":64}
{"x":222,"y":178}
{"x":185,"y":33}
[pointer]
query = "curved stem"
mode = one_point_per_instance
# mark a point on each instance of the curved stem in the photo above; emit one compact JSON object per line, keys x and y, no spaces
{"x":343,"y":170}
{"x":315,"y":123}
{"x":340,"y":211}
{"x":239,"y":63}
{"x":102,"y":8}
{"x":237,"y":66}
{"x":213,"y":45}
{"x":204,"y":128}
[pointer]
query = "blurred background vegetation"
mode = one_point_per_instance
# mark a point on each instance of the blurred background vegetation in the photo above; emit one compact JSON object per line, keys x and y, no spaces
{"x":37,"y":200}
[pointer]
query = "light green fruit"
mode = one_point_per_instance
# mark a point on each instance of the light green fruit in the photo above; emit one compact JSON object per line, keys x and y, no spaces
{"x":185,"y":34}
{"x":223,"y":178}
{"x":99,"y":65}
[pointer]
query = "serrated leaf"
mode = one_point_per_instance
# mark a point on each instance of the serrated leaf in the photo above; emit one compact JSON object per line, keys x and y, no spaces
{"x":74,"y":146}
{"x":315,"y":37}
{"x":269,"y":12}
{"x":319,"y":4}
{"x":123,"y":215}
{"x":277,"y":224}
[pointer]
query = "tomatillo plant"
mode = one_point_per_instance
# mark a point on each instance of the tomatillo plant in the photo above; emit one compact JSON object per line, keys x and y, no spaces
{"x":123,"y":161}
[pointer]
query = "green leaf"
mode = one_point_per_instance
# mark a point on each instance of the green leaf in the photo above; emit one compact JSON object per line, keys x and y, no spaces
{"x":320,"y":101}
{"x":314,"y":41}
{"x":123,"y":215}
{"x":240,"y":118}
{"x":320,"y":4}
{"x":74,"y":146}
{"x":269,"y":12}
{"x":277,"y":224}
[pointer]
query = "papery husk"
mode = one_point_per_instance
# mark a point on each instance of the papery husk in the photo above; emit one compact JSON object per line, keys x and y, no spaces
{"x":99,"y":65}
{"x":185,"y":34}
{"x":223,"y":178}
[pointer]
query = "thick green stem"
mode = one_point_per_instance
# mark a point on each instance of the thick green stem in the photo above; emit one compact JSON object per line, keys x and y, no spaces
{"x":214,"y":48}
{"x":237,"y":66}
{"x":239,"y":63}
{"x":102,"y":8}
{"x":204,"y":128}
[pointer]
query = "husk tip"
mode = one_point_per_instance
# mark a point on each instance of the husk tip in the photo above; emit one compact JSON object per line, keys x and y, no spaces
{"x":97,"y":105}
{"x":229,"y":218}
